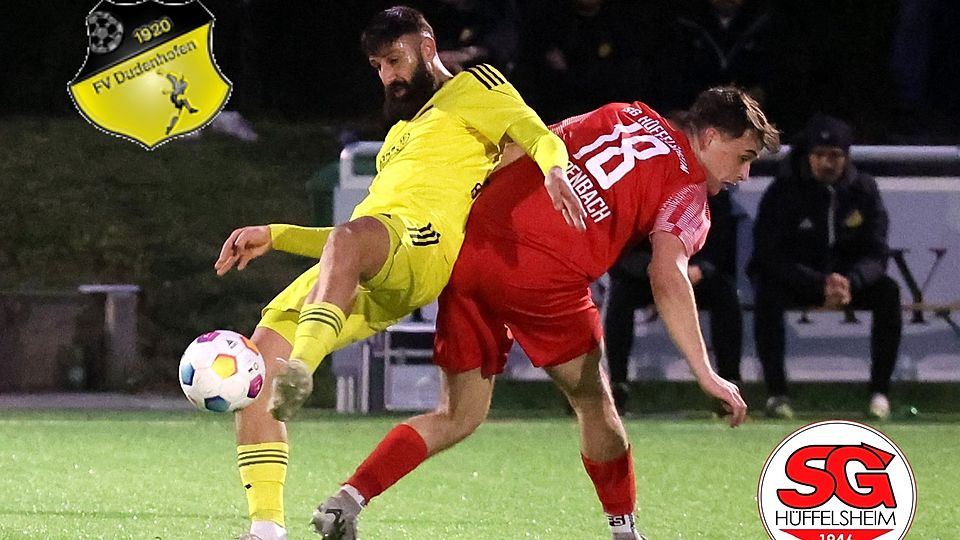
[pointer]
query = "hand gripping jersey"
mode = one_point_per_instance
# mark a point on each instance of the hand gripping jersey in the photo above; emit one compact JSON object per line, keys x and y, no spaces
{"x":634,"y":173}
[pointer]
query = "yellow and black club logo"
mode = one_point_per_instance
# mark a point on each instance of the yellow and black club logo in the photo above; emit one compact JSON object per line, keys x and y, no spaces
{"x":149,"y":75}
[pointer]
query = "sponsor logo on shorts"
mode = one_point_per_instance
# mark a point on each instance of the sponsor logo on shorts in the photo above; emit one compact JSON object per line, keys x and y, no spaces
{"x":424,"y":236}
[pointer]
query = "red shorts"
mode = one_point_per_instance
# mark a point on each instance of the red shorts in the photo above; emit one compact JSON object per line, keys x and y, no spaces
{"x":501,"y":291}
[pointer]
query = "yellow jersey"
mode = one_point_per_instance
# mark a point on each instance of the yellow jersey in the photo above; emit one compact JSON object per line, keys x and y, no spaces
{"x":431,"y":167}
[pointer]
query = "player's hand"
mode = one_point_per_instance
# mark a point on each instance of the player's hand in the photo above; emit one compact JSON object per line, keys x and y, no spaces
{"x":564,"y":199}
{"x":242,"y":246}
{"x":729,"y":394}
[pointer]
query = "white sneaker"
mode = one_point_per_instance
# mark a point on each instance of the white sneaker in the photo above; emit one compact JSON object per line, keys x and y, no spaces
{"x":879,"y":406}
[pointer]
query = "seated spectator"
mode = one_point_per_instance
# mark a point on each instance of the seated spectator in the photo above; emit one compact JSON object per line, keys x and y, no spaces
{"x":820,"y":239}
{"x":712,"y":272}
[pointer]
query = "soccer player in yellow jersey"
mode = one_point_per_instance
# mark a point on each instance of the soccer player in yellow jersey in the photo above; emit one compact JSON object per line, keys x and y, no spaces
{"x":397,"y":251}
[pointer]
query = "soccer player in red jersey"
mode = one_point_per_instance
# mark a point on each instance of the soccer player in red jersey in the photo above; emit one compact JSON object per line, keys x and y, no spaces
{"x":523,"y":274}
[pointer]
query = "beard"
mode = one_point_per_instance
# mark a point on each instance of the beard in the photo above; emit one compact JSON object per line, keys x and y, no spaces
{"x":416,"y":93}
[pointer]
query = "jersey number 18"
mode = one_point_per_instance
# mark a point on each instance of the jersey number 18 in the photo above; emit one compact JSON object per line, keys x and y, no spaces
{"x":633,"y":149}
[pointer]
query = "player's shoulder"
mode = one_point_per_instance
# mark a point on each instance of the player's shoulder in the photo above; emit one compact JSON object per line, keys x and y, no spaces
{"x":602,"y":118}
{"x":481,"y":78}
{"x":633,"y":112}
{"x":689,"y":193}
{"x":634,"y":109}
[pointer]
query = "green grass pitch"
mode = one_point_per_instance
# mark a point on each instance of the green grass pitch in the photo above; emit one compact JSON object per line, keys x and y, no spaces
{"x":172,"y":475}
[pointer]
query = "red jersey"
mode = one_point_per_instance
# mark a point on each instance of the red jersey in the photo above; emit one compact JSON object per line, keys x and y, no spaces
{"x":634,"y":174}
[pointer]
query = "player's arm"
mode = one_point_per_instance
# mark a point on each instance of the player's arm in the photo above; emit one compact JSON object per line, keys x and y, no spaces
{"x":548,"y":150}
{"x":248,"y":243}
{"x":495,"y":109}
{"x":673,"y":295}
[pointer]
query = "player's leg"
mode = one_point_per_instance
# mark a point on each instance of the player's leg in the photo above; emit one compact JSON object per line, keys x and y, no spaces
{"x":582,"y":380}
{"x":262,"y":448}
{"x":464,"y":404}
{"x":470,"y":341}
{"x":354,"y":252}
{"x":603,"y":441}
{"x":262,"y":440}
{"x":262,"y":451}
{"x":552,"y":315}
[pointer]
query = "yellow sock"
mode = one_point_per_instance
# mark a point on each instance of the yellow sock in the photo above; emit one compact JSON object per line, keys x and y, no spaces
{"x":263,"y":470}
{"x":317,"y":332}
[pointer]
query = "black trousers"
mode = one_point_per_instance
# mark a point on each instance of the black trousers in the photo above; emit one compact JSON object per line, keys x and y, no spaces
{"x":772,"y":298}
{"x":718,"y":294}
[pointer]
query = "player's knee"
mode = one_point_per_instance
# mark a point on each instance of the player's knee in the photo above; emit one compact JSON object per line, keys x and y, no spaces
{"x":357,"y":247}
{"x":464,"y":430}
{"x":343,"y":243}
{"x":587,"y":393}
{"x":463,"y":422}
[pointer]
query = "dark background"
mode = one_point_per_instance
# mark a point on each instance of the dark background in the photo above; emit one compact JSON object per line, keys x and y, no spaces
{"x":300,"y":60}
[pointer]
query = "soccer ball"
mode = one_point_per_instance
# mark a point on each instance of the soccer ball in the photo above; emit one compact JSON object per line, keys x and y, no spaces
{"x":221,"y":371}
{"x":105,"y":31}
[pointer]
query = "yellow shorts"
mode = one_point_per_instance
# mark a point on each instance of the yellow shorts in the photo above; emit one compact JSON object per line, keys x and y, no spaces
{"x":413,"y":275}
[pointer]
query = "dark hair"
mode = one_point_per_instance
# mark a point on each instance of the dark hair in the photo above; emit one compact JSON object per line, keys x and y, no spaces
{"x":389,"y":25}
{"x":731,"y":111}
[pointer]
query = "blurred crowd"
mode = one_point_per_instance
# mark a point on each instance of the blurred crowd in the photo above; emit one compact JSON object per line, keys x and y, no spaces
{"x":888,"y":66}
{"x":883,"y":65}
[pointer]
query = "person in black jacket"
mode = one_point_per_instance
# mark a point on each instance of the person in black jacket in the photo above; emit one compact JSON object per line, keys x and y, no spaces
{"x":712,"y":272}
{"x":716,"y":42}
{"x":820,"y":239}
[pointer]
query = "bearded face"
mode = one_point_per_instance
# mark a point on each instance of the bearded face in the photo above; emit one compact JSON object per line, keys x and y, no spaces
{"x":404,"y":98}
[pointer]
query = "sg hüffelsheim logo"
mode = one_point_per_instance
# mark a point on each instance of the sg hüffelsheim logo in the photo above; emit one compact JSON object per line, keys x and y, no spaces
{"x":149,"y":74}
{"x":837,"y":480}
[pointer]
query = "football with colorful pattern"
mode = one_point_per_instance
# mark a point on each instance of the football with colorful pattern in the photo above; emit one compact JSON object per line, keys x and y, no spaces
{"x":221,"y":371}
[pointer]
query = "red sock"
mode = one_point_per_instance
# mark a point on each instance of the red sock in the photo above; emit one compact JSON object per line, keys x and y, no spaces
{"x":400,"y":452}
{"x":614,"y":482}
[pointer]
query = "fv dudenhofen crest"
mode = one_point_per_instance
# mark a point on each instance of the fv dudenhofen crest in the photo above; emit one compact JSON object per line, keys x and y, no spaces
{"x":150,"y":74}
